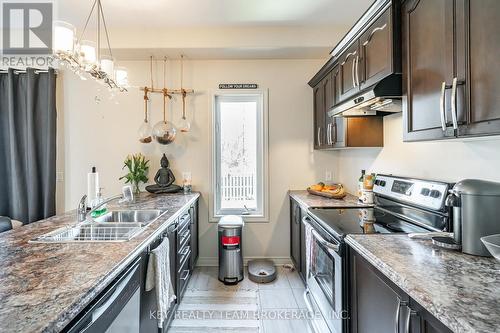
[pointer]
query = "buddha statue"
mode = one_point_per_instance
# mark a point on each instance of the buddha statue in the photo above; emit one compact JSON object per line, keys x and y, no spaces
{"x":164,"y":179}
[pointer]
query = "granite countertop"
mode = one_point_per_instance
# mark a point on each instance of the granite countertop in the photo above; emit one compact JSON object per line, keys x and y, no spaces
{"x":44,"y":286}
{"x":307,"y":200}
{"x":460,"y":290}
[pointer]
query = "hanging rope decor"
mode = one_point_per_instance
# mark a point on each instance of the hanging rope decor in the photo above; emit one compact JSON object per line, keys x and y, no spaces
{"x":164,"y":131}
{"x":145,"y":130}
{"x":184,"y":125}
{"x":162,"y":128}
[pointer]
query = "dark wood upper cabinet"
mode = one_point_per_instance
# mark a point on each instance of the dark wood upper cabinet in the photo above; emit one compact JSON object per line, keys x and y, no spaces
{"x":348,"y":71}
{"x":428,"y":44}
{"x":319,"y":115}
{"x":482,"y":26}
{"x":452,"y":85}
{"x":329,"y":82}
{"x":376,"y":53}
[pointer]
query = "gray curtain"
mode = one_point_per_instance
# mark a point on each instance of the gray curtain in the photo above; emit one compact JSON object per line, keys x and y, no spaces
{"x":27,"y":144}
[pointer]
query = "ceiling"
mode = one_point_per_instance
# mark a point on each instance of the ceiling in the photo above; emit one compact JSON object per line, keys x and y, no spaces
{"x":220,"y":28}
{"x":210,"y":13}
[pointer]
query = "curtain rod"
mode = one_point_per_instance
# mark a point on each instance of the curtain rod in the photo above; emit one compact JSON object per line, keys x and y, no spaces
{"x":23,"y":71}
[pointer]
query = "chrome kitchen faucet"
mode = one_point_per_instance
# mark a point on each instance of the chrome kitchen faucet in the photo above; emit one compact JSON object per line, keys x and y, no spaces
{"x":126,"y":196}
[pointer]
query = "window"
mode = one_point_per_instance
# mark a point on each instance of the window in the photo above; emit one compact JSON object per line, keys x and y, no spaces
{"x":239,"y":154}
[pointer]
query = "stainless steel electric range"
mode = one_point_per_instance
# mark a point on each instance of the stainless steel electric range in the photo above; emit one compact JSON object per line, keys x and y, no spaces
{"x":402,"y":205}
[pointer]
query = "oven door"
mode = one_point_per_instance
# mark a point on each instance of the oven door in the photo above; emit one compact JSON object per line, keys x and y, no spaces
{"x":324,"y":277}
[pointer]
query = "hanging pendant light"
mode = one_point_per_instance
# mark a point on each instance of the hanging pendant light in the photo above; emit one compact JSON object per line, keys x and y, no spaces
{"x":107,"y":66}
{"x":121,"y":76}
{"x":164,"y":131}
{"x":84,"y":57}
{"x":145,"y":131}
{"x":64,"y":38}
{"x":184,"y":125}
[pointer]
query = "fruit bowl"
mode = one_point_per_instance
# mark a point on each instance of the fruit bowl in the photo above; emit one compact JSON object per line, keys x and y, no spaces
{"x":492,"y":243}
{"x":334,"y":191}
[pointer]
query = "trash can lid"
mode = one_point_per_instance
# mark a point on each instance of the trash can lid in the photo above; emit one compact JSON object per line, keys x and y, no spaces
{"x":231,"y":221}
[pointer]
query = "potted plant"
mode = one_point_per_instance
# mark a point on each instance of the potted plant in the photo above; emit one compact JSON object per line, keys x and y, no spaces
{"x":138,"y":168}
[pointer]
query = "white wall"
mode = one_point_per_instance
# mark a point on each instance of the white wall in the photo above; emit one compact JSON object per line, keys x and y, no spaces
{"x":102,"y":134}
{"x":449,"y":161}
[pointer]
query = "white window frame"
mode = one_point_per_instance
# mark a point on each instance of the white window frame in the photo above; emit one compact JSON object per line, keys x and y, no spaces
{"x":262,"y":168}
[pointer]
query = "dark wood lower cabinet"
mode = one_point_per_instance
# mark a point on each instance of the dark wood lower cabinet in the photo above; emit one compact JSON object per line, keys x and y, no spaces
{"x":295,"y":233}
{"x":297,"y":238}
{"x":183,"y":251}
{"x":376,"y":305}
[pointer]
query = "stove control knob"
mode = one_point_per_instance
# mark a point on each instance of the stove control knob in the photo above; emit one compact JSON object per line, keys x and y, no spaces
{"x":435,"y":194}
{"x":382,"y":183}
{"x":425,"y":192}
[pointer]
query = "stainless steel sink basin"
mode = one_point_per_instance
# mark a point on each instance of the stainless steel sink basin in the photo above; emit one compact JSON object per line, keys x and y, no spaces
{"x":114,"y":226}
{"x":142,"y":216}
{"x":92,"y":232}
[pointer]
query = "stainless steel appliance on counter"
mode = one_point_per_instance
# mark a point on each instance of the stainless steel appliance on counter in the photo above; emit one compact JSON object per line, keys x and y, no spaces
{"x":402,"y":205}
{"x":476,"y":213}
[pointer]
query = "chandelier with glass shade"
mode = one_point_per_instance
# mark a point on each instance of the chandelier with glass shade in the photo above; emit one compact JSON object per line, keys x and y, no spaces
{"x":84,"y":57}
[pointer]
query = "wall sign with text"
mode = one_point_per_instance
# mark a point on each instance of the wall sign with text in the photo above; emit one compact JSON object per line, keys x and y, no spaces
{"x":238,"y":86}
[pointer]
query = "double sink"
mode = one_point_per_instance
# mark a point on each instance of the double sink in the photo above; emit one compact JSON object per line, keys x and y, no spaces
{"x":114,"y":226}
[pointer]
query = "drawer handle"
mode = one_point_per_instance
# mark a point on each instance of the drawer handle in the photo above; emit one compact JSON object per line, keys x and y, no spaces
{"x":186,"y":276}
{"x":185,"y":251}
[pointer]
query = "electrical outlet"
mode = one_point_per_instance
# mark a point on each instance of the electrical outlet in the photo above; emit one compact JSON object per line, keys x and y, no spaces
{"x":59,"y":176}
{"x":328,"y":176}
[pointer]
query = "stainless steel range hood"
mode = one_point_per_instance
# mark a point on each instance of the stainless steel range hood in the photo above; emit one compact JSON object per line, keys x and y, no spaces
{"x":382,"y":98}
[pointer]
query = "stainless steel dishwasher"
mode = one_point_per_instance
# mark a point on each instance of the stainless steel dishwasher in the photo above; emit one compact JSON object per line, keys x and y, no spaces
{"x":117,"y":309}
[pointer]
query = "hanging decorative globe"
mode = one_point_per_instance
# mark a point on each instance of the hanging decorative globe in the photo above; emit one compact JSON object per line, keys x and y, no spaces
{"x":145,"y":132}
{"x":164,"y":132}
{"x":184,"y":125}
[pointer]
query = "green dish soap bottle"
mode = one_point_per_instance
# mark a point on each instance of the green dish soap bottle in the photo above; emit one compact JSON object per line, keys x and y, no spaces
{"x":97,"y":201}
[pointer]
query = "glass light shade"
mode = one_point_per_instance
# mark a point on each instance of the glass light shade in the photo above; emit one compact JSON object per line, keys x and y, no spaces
{"x":64,"y":37}
{"x":121,"y":76}
{"x":164,"y":132}
{"x":184,"y":125}
{"x":145,"y":132}
{"x":88,"y":53}
{"x":108,"y":66}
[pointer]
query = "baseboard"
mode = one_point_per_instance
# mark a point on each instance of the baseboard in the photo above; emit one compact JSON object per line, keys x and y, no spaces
{"x":214,"y":261}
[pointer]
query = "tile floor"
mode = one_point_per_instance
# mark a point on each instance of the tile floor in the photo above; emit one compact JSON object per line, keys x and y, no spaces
{"x":210,"y":306}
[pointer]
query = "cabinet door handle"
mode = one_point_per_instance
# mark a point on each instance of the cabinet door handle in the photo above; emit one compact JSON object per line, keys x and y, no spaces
{"x":409,"y":314}
{"x":330,"y":134}
{"x":454,"y":114}
{"x":353,"y":70}
{"x":319,"y":136}
{"x":335,"y":137}
{"x":398,"y":312}
{"x":442,"y":107}
{"x":357,"y":70}
{"x":330,"y":142}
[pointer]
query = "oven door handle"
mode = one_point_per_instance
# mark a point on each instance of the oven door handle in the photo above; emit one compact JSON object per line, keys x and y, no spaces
{"x":319,"y":238}
{"x":322,"y":241}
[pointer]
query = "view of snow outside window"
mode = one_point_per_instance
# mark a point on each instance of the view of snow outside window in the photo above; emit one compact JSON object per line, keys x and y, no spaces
{"x":238,"y":169}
